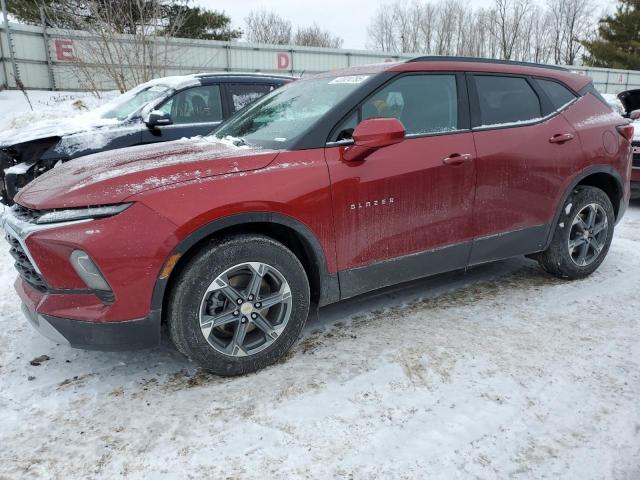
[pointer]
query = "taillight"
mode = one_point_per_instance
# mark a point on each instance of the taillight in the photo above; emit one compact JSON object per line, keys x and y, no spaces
{"x":626,"y":131}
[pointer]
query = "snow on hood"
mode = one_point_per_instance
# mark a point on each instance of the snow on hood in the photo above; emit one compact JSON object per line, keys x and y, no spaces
{"x":55,"y":128}
{"x":87,"y":122}
{"x":113,"y":176}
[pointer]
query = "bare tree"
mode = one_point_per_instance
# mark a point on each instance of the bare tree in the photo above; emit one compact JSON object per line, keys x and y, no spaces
{"x":314,"y":36}
{"x":510,"y":16}
{"x":264,"y":26}
{"x":126,"y":41}
{"x":572,"y":22}
{"x":513,"y":29}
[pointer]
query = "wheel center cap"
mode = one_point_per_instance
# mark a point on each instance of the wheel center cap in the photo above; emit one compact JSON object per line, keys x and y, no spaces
{"x":246,"y":308}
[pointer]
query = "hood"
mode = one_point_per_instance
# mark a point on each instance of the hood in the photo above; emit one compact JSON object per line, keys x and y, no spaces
{"x":54,"y":128}
{"x":114,"y":176}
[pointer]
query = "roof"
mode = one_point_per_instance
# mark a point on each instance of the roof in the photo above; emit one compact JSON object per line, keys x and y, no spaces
{"x":484,"y":65}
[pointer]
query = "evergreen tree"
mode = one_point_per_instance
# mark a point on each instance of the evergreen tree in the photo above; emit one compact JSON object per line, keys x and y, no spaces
{"x":200,"y":23}
{"x":194,"y":22}
{"x":618,"y":42}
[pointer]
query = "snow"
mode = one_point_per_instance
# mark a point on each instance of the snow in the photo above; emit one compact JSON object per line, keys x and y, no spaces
{"x":54,"y":113}
{"x":636,"y":131}
{"x":613,"y":100}
{"x":502,"y":372}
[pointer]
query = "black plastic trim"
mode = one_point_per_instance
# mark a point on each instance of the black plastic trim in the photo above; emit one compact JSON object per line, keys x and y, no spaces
{"x":546,"y":105}
{"x":329,"y":286}
{"x":106,"y":336}
{"x":506,"y":245}
{"x":403,"y":269}
{"x":576,"y":180}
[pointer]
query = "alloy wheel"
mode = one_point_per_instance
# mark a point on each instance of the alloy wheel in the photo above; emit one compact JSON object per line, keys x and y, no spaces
{"x":245,"y":309}
{"x":588,"y":234}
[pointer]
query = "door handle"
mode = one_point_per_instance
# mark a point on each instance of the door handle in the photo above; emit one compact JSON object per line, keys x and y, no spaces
{"x":561,"y":138}
{"x":457,"y":159}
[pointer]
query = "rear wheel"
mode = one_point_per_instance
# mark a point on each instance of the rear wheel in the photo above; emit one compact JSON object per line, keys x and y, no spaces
{"x":239,"y":304}
{"x":582,"y":236}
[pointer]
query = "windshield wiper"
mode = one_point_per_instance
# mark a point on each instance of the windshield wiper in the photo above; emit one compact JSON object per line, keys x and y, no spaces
{"x":237,"y":141}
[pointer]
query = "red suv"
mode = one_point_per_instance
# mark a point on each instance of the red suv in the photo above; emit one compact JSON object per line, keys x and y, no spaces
{"x":327,"y":188}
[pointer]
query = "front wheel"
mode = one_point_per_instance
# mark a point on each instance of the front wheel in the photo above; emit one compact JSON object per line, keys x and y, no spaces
{"x":239,"y":304}
{"x":582,"y":236}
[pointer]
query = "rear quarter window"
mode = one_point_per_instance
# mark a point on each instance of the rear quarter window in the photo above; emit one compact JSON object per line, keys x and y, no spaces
{"x":506,"y":100}
{"x":557,"y":93}
{"x":243,"y":94}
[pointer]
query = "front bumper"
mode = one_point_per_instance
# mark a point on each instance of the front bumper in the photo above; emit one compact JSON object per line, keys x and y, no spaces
{"x":60,"y":305}
{"x":108,"y":336}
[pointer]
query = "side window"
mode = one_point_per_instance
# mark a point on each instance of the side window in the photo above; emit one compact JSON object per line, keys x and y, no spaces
{"x":425,"y":103}
{"x":242,"y":94}
{"x":506,"y":100}
{"x":195,"y":105}
{"x":346,"y":128}
{"x":558,"y":94}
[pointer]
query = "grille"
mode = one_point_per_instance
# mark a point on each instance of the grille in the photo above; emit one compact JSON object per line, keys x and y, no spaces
{"x":636,"y":159}
{"x":26,"y":214}
{"x":24,"y":266}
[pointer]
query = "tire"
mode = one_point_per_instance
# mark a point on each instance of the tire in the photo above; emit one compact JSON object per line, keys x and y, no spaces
{"x":565,"y":262}
{"x":203,"y":295}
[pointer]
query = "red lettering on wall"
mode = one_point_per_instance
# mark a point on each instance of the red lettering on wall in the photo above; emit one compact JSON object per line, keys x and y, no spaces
{"x":64,"y":50}
{"x":283,"y":61}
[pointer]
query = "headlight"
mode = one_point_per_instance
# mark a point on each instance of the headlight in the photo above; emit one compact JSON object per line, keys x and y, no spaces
{"x":74,"y":214}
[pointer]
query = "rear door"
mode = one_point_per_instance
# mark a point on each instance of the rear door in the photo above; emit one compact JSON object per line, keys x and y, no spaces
{"x":526,"y":151}
{"x":406,"y":198}
{"x":194,"y":111}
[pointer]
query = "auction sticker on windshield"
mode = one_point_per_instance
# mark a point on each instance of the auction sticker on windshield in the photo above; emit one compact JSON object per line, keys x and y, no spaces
{"x":350,"y":79}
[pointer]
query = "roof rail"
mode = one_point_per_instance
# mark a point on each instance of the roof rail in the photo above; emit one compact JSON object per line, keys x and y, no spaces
{"x":241,"y":74}
{"x":450,"y":58}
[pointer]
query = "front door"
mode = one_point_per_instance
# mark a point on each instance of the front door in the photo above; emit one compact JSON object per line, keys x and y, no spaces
{"x":194,"y":111}
{"x":406,"y":210}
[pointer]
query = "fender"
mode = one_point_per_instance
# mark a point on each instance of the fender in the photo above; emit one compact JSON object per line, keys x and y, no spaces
{"x":328,"y":283}
{"x":574,"y":183}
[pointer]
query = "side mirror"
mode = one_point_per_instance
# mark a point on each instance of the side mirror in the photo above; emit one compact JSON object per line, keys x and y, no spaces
{"x":372,"y":134}
{"x":634,"y":115}
{"x":157,"y":118}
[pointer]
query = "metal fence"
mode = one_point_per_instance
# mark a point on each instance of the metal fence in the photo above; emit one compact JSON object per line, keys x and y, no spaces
{"x":46,"y":59}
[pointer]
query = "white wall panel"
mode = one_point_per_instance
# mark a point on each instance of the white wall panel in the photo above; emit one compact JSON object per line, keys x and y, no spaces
{"x":185,"y":56}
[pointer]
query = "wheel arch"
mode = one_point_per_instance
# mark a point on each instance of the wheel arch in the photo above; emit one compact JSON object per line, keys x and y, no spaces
{"x":290,"y":232}
{"x":603,"y":177}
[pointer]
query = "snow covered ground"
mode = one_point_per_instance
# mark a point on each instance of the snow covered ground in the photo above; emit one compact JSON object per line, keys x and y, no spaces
{"x":503,"y":372}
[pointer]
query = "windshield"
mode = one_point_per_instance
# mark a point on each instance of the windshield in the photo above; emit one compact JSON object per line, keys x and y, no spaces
{"x":129,"y":102}
{"x":281,"y":117}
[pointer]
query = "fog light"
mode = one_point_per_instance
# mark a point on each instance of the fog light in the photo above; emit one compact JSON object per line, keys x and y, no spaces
{"x":88,"y":271}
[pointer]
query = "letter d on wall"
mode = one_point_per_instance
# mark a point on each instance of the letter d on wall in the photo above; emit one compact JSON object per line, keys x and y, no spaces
{"x":283,"y":61}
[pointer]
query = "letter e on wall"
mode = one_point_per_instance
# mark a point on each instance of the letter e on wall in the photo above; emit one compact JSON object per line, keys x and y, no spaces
{"x":64,"y":50}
